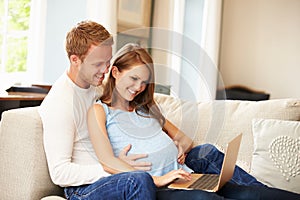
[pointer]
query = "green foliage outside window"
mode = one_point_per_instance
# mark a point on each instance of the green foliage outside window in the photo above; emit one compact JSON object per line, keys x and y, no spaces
{"x":1,"y":41}
{"x":19,"y":12}
{"x":16,"y":34}
{"x":17,"y":54}
{"x":1,"y":13}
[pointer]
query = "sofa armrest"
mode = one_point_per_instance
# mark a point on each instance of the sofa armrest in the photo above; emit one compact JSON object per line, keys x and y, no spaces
{"x":23,"y":166}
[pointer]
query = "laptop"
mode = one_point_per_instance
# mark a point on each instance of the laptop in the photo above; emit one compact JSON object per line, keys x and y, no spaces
{"x":213,"y":182}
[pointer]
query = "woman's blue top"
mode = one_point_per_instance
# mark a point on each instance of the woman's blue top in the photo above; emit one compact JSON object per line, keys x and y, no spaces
{"x":146,"y":137}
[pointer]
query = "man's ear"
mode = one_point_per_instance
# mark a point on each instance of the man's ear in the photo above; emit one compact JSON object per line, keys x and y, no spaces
{"x":114,"y":71}
{"x":74,"y":59}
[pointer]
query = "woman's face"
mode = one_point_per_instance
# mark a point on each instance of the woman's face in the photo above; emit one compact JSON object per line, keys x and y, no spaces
{"x":131,"y":82}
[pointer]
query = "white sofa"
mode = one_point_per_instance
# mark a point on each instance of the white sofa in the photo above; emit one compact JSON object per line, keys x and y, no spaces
{"x":23,"y":168}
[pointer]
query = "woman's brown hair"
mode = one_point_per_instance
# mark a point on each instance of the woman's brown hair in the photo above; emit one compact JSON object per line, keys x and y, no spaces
{"x":128,"y":56}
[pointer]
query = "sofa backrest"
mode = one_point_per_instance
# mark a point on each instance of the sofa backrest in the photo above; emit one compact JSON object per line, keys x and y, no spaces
{"x":23,"y":167}
{"x":219,"y":121}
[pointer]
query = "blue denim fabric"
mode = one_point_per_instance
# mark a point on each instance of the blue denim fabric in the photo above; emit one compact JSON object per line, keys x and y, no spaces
{"x":207,"y":159}
{"x":177,"y":194}
{"x":229,"y":191}
{"x":243,"y":192}
{"x":129,"y":185}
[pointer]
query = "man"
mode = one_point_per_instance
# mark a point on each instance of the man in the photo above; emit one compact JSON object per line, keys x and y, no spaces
{"x":71,"y":160}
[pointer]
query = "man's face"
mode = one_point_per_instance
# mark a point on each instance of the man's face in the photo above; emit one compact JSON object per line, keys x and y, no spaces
{"x":95,"y":66}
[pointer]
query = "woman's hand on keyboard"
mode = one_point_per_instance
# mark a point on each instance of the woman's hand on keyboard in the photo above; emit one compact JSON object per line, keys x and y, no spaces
{"x":171,"y":176}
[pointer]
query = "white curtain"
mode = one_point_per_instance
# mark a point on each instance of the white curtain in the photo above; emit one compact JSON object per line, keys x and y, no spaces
{"x":36,"y":43}
{"x":211,"y":33}
{"x":105,"y":13}
{"x":194,"y":68}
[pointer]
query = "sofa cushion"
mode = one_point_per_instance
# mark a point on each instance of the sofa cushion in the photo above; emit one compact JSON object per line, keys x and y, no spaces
{"x":23,"y":166}
{"x":276,"y":158}
{"x":219,"y":121}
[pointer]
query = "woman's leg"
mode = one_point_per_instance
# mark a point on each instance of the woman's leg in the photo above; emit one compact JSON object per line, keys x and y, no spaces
{"x":128,"y":185}
{"x":208,"y":159}
{"x":174,"y":194}
{"x":241,"y":192}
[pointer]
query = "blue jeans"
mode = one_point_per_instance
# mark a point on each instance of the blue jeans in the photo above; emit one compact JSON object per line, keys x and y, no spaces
{"x":128,"y":185}
{"x":207,"y":159}
{"x":177,"y":194}
{"x":228,"y":191}
{"x":255,"y":192}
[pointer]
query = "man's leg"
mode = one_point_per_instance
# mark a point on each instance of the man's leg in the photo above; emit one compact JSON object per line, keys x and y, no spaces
{"x":128,"y":185}
{"x":208,"y":159}
{"x":234,"y":191}
{"x":174,"y":194}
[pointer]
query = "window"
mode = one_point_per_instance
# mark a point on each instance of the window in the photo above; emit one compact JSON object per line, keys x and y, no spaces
{"x":14,"y":35}
{"x":17,"y":40}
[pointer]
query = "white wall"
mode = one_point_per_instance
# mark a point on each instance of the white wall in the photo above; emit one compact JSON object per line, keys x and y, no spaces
{"x":260,"y":46}
{"x":61,"y":17}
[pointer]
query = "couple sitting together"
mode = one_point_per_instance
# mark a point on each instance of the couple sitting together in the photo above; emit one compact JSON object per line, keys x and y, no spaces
{"x":121,"y":146}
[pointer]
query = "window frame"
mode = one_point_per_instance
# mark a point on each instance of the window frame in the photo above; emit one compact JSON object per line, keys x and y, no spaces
{"x":35,"y":42}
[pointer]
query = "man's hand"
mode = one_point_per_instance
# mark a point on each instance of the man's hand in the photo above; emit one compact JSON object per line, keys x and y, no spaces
{"x":132,"y":159}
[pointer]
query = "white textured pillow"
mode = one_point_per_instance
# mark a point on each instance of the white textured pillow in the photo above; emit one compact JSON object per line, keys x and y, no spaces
{"x":276,"y":156}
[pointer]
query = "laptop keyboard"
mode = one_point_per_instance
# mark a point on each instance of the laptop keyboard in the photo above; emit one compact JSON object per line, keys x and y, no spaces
{"x":206,"y":182}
